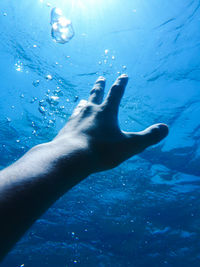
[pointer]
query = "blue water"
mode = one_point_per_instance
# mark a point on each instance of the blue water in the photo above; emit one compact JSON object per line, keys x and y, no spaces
{"x":146,"y":212}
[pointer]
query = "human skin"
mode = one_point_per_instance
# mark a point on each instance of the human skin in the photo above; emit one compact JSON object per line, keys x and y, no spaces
{"x":90,"y":142}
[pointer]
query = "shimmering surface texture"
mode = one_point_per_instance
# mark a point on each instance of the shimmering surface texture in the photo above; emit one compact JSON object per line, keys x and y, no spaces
{"x":145,"y":212}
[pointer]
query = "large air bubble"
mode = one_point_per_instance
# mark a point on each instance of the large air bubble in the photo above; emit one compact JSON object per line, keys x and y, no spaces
{"x":61,"y":28}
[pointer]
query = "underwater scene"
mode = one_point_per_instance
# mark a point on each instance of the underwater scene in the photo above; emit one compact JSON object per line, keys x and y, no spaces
{"x":145,"y":212}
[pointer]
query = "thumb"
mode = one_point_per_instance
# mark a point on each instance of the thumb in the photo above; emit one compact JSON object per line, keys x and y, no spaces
{"x":153,"y":134}
{"x":137,"y":142}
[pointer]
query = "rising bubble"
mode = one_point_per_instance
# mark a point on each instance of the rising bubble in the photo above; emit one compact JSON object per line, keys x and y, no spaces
{"x":61,"y":28}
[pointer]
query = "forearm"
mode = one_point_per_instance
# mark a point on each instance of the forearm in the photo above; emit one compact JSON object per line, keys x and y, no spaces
{"x":32,"y":184}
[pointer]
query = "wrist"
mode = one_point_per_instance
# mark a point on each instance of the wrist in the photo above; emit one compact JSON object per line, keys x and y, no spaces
{"x":72,"y":158}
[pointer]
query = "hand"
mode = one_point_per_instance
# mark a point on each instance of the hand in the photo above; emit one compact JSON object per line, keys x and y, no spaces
{"x":91,"y":141}
{"x":95,"y":123}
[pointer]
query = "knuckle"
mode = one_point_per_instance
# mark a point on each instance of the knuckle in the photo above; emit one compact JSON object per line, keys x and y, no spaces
{"x":96,"y":89}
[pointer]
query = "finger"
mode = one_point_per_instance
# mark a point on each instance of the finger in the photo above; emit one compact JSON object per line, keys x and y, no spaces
{"x":116,"y":92}
{"x":79,"y":107}
{"x":150,"y":136}
{"x":97,"y":92}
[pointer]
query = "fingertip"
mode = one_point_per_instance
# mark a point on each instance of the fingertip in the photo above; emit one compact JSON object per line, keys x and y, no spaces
{"x":123,"y":75}
{"x":164,"y":129}
{"x":157,"y":132}
{"x":101,"y":79}
{"x":122,"y":80}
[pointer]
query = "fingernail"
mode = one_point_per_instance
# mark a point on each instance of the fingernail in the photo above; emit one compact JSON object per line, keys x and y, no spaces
{"x":123,"y":76}
{"x":101,"y":78}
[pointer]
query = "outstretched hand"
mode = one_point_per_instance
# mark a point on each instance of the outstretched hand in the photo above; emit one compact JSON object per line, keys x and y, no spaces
{"x":94,"y":123}
{"x":90,"y":142}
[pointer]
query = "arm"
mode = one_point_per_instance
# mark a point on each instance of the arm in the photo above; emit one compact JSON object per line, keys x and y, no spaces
{"x":90,"y":142}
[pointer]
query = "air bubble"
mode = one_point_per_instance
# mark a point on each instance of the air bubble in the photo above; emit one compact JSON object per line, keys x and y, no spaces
{"x":42,"y":109}
{"x":49,"y":77}
{"x":76,"y":98}
{"x":36,"y":83}
{"x":62,"y":30}
{"x":19,"y":66}
{"x":53,"y":100}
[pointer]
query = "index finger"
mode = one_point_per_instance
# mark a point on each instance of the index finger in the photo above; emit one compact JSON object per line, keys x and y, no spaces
{"x":116,"y":92}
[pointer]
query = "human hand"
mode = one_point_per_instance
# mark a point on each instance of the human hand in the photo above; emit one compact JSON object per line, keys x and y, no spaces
{"x":94,"y":125}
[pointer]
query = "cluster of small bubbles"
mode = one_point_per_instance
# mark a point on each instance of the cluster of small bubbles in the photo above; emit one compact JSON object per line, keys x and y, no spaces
{"x":42,"y":106}
{"x":61,"y":107}
{"x":62,"y":30}
{"x":53,"y":100}
{"x":33,"y":100}
{"x":42,"y":102}
{"x":58,"y":91}
{"x":19,"y":66}
{"x":51,"y":123}
{"x":108,"y":60}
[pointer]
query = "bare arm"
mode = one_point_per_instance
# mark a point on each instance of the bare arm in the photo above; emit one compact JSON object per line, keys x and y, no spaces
{"x":90,"y":142}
